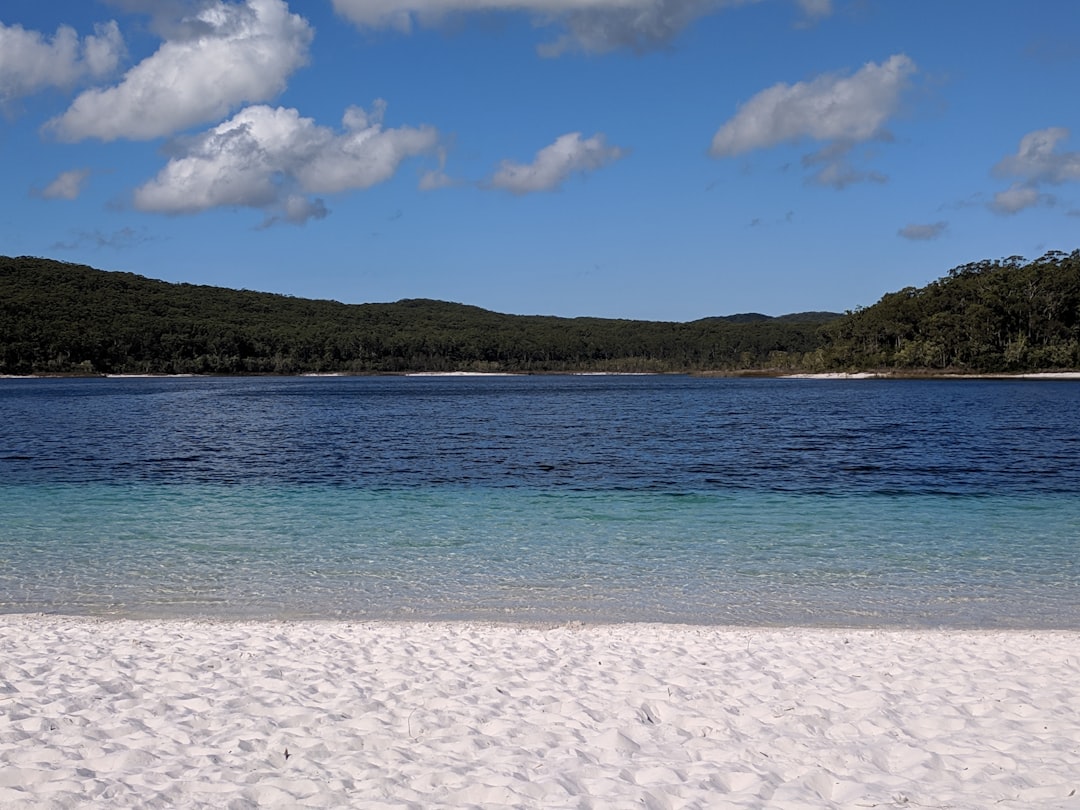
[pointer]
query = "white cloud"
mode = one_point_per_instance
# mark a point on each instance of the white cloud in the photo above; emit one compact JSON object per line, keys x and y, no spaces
{"x":66,"y":186}
{"x":1035,"y":163}
{"x":29,"y":62}
{"x":591,"y":25}
{"x":836,"y":109}
{"x":554,"y":163}
{"x":169,"y":19}
{"x":272,"y":159}
{"x":922,"y":233}
{"x":225,"y":55}
{"x":832,"y":107}
{"x":1018,"y":197}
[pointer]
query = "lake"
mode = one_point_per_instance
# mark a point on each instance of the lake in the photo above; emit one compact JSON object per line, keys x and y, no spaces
{"x":949,"y":503}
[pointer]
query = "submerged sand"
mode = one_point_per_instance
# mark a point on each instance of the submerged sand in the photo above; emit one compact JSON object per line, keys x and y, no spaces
{"x":237,"y":715}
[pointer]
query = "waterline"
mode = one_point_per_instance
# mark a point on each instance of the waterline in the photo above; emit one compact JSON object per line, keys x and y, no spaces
{"x":534,"y":555}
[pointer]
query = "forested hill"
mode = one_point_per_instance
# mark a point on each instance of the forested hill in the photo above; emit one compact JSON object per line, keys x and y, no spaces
{"x":59,"y":317}
{"x":64,"y":318}
{"x":987,"y":316}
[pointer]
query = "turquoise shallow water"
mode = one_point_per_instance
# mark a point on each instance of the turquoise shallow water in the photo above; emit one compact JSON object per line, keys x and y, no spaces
{"x":746,"y":558}
{"x":550,"y":499}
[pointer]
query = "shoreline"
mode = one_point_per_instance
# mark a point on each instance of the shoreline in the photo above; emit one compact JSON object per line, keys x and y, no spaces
{"x":874,"y":375}
{"x":747,"y":374}
{"x":136,"y":713}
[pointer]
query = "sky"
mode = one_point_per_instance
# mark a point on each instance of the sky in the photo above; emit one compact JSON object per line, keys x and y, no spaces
{"x":647,"y":159}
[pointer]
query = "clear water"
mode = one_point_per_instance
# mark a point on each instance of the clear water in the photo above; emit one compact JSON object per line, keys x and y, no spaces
{"x":915,"y":503}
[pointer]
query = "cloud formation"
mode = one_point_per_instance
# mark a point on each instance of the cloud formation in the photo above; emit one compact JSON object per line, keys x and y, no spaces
{"x":117,"y":240}
{"x":553,"y":164}
{"x":272,"y":159}
{"x":644,"y":25}
{"x":1018,"y":197}
{"x":29,"y":62}
{"x":836,"y":169}
{"x":816,"y":9}
{"x":1037,"y":162}
{"x":438,"y":178}
{"x":838,"y":110}
{"x":923,"y":233}
{"x":595,"y":26}
{"x":66,"y":186}
{"x":224,"y":55}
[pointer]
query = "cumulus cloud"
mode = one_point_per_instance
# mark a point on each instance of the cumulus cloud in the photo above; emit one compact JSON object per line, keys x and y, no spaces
{"x":224,"y":55}
{"x":1037,"y":162}
{"x":833,"y":107}
{"x":838,"y":110}
{"x":595,"y":26}
{"x":274,"y":160}
{"x":66,"y":186}
{"x":923,"y":233}
{"x":169,"y":19}
{"x":553,"y":164}
{"x":30,"y":62}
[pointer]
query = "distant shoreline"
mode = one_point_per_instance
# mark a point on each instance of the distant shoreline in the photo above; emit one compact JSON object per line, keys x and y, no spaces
{"x":875,"y":375}
{"x":1025,"y":323}
{"x":744,"y":374}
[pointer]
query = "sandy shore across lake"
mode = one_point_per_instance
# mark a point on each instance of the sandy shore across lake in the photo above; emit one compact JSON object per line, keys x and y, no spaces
{"x":406,"y":715}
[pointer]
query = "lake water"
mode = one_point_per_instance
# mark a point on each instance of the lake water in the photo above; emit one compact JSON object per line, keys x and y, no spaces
{"x":549,"y":498}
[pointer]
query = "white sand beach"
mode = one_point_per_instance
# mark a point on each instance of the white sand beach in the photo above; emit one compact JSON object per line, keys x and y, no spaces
{"x":236,"y":715}
{"x":835,"y":375}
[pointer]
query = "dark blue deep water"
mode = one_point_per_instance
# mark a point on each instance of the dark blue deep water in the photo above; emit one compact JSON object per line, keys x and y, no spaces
{"x":742,"y":501}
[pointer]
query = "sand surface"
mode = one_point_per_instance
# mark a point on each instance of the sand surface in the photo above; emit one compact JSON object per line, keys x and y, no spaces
{"x":238,"y":715}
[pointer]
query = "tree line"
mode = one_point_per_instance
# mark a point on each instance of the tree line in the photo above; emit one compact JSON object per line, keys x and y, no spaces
{"x":988,"y":316}
{"x":56,"y":317}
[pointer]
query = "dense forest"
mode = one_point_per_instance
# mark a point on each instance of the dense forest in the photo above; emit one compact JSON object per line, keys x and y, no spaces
{"x":987,"y":316}
{"x":55,"y":317}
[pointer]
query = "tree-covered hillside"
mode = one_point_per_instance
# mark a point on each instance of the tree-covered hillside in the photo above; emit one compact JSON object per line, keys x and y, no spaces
{"x":988,"y":316}
{"x":61,"y":318}
{"x":1007,"y":315}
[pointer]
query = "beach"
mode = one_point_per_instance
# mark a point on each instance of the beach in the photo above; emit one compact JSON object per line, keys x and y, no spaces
{"x":139,"y":713}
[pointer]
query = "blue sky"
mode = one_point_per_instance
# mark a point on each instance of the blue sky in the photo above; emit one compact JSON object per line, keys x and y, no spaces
{"x":648,"y":159}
